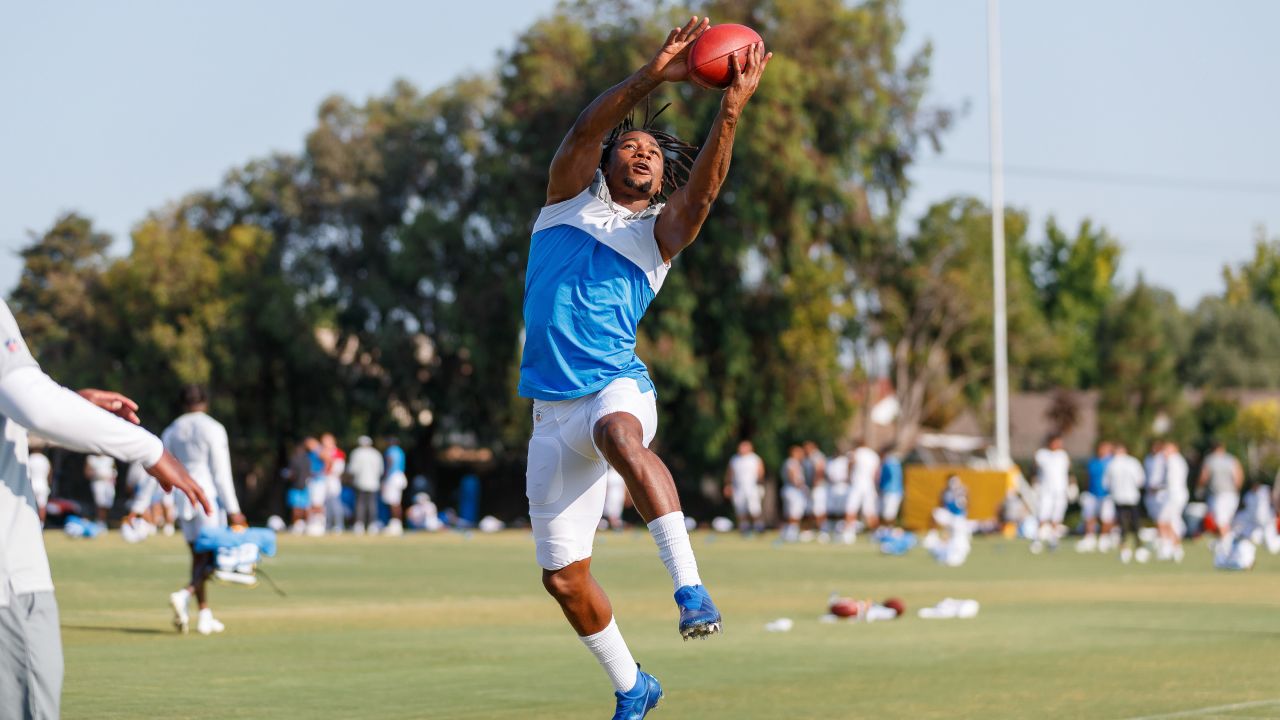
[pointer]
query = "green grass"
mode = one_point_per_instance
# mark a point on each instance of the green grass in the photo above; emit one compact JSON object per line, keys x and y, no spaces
{"x":447,"y":627}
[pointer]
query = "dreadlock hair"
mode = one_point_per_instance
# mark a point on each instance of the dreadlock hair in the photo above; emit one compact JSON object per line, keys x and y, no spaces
{"x":677,"y":155}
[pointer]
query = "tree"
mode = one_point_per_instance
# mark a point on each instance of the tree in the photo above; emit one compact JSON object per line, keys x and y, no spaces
{"x":1233,"y":346}
{"x":934,"y":311}
{"x":1258,"y":279}
{"x":58,"y":300}
{"x":1075,"y":280}
{"x":1141,"y":338}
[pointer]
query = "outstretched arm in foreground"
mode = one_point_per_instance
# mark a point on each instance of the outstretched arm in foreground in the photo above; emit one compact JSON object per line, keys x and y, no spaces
{"x":575,"y":162}
{"x":687,"y":209}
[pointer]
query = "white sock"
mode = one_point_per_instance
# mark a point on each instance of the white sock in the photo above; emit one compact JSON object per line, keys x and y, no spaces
{"x":673,"y":547}
{"x":614,"y":656}
{"x":185,"y":594}
{"x":206,"y":613}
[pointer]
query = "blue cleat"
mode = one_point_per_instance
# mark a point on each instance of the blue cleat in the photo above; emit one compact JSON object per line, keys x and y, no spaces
{"x":698,"y":615}
{"x":639,"y":700}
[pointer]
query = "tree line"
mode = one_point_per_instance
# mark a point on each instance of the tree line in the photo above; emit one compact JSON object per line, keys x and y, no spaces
{"x":371,"y":282}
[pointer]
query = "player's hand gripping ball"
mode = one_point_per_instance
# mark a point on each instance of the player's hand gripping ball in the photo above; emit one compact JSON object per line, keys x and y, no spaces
{"x":709,"y":57}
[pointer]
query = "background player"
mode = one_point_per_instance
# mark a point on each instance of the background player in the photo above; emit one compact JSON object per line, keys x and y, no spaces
{"x":864,"y":474}
{"x":892,"y":487}
{"x":795,"y":494}
{"x":1096,"y":505}
{"x":393,"y":486}
{"x":100,"y":471}
{"x":744,"y":485}
{"x":200,"y":442}
{"x":600,"y":251}
{"x":1222,"y":474}
{"x":1053,"y":474}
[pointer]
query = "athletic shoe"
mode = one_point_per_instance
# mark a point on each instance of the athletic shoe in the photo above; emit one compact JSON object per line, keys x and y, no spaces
{"x":1087,"y":544}
{"x":178,"y":601}
{"x":639,"y":700}
{"x":1142,"y":555}
{"x":698,"y":615}
{"x":395,"y":527}
{"x":1126,"y":554}
{"x":207,"y":625}
{"x":1037,"y":547}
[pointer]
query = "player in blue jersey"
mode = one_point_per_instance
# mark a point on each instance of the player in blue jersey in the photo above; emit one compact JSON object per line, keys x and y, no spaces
{"x":393,"y":486}
{"x":600,"y":250}
{"x":1096,"y":504}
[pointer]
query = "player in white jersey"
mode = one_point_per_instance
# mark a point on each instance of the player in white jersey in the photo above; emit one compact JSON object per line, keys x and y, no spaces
{"x":1222,"y":474}
{"x":1172,"y":502}
{"x":90,"y":422}
{"x":864,"y":479}
{"x":795,"y":493}
{"x":200,"y":442}
{"x":1053,"y":477}
{"x":744,"y":487}
{"x":1153,"y":494}
{"x":600,"y":250}
{"x":100,"y":471}
{"x":831,"y":496}
{"x":40,"y":470}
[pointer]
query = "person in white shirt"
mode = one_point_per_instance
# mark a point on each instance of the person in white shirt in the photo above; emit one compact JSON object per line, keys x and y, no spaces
{"x":1124,"y":479}
{"x":832,"y":496}
{"x":864,"y":477}
{"x":95,"y":422}
{"x":200,"y":442}
{"x":1053,"y":478}
{"x":1172,"y":502}
{"x":1223,"y":475}
{"x":744,"y":486}
{"x":100,"y":471}
{"x":40,"y":470}
{"x":365,"y":468}
{"x":1154,"y":465}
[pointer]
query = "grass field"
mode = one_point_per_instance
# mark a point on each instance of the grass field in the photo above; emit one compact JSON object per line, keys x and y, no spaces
{"x":449,"y":627}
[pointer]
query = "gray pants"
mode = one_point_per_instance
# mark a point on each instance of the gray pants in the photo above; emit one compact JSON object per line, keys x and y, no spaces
{"x":366,"y":507}
{"x":30,"y":658}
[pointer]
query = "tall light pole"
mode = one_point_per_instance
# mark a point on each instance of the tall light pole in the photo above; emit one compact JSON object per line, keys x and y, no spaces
{"x":997,"y":235}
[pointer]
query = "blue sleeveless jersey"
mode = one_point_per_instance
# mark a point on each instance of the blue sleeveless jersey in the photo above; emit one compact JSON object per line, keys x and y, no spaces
{"x":594,"y":268}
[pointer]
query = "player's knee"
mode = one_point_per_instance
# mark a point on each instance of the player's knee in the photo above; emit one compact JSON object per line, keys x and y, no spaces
{"x":561,"y":583}
{"x":619,"y":437}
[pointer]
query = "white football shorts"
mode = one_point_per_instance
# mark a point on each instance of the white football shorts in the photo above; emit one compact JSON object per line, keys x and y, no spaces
{"x":565,"y":481}
{"x":191,"y":525}
{"x":795,"y":500}
{"x":104,"y":493}
{"x":1224,"y":506}
{"x":746,"y":501}
{"x":1094,"y":508}
{"x":317,"y":490}
{"x":862,"y":501}
{"x":393,"y":488}
{"x":890,"y":503}
{"x":1053,"y":505}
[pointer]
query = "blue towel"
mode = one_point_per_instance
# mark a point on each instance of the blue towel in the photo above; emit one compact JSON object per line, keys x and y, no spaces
{"x":212,"y":539}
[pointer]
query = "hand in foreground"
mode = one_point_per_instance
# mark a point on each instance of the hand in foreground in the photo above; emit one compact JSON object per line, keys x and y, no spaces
{"x":112,"y":402}
{"x":672,"y":61}
{"x":746,"y":77}
{"x":237,"y":522}
{"x":173,"y":476}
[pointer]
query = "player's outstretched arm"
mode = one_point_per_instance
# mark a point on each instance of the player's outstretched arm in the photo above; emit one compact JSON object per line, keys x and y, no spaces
{"x":575,"y":162}
{"x":688,"y":207}
{"x":33,"y":400}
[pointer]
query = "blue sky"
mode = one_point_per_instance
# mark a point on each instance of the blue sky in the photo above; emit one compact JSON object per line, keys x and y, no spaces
{"x":114,"y":109}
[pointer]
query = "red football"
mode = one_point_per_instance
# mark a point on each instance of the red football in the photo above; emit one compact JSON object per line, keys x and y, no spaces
{"x":709,"y":56}
{"x":844,"y":607}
